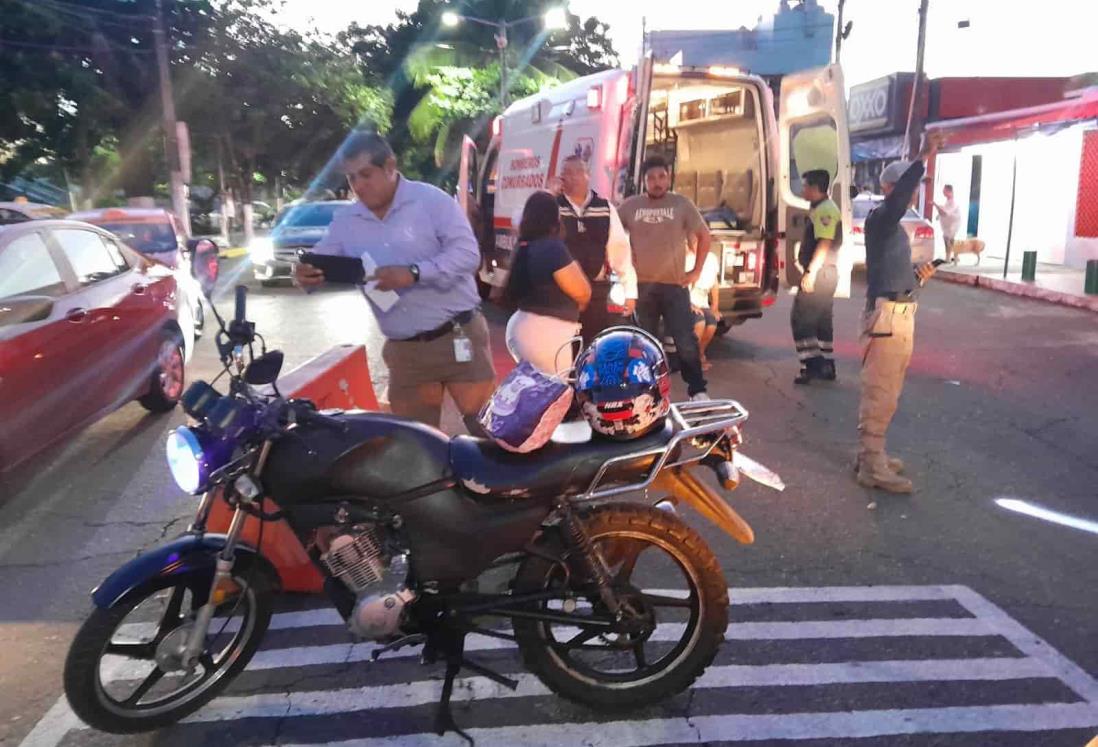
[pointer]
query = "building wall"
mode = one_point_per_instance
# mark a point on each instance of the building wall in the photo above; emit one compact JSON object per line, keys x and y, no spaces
{"x":1079,"y":249}
{"x":1044,"y":201}
{"x":793,"y":39}
{"x":952,"y":98}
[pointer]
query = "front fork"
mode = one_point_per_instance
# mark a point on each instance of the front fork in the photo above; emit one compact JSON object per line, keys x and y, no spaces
{"x":226,"y":559}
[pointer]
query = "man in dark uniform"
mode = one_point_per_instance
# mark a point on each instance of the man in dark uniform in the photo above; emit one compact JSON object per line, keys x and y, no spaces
{"x":813,"y":330}
{"x":597,"y":241}
{"x":888,"y":327}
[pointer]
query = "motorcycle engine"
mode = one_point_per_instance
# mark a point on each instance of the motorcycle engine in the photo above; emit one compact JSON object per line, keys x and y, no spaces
{"x":377,"y":580}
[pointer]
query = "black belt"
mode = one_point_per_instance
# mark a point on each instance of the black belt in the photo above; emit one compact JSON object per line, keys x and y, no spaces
{"x":902,"y":297}
{"x":446,"y":328}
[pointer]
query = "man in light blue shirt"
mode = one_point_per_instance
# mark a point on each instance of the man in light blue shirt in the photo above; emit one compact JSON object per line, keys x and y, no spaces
{"x":420,"y":244}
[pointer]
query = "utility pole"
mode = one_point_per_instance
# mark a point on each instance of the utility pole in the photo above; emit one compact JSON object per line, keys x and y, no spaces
{"x":222,"y":196}
{"x":916,"y":87}
{"x":501,"y":44}
{"x":171,"y":139}
{"x":841,"y":32}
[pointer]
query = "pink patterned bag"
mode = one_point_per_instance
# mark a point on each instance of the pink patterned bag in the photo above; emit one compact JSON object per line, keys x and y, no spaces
{"x":526,"y":408}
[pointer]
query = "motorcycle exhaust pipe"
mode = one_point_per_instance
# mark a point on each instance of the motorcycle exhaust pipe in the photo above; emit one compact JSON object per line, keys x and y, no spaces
{"x":728,"y":475}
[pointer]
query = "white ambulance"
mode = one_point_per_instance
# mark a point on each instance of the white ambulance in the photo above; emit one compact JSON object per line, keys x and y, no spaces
{"x":730,"y":154}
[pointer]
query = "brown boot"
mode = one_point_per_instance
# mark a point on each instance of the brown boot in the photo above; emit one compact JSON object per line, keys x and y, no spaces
{"x":873,"y":472}
{"x":895,"y":464}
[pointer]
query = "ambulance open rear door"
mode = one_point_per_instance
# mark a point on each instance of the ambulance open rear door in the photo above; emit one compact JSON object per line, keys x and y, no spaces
{"x":813,"y":135}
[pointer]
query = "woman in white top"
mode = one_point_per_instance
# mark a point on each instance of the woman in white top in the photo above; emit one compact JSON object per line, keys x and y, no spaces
{"x":705,"y":302}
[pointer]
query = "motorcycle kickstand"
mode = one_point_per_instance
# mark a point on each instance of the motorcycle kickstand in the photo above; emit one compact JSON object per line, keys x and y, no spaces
{"x":444,"y":718}
{"x":453,"y":644}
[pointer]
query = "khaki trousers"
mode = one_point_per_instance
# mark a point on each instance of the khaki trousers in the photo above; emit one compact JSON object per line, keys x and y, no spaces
{"x":887,"y":337}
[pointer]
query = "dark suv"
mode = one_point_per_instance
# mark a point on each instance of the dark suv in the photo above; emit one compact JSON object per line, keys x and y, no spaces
{"x":297,"y":227}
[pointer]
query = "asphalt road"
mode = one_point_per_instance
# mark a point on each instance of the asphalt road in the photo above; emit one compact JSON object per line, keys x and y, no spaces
{"x":985,"y":616}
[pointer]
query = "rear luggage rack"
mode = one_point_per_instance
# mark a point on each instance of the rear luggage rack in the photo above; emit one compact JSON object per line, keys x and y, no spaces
{"x":692,"y":421}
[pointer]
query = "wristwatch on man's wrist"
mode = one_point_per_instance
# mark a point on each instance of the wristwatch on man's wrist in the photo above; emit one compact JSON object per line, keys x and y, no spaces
{"x":414,"y":269}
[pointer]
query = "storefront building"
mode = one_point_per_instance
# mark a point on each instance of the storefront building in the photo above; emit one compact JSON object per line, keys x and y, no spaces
{"x":877,"y":118}
{"x":1026,"y":179}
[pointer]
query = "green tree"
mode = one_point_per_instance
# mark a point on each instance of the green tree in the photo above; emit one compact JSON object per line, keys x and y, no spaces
{"x":81,"y":71}
{"x":445,"y":82}
{"x":82,"y":80}
{"x":278,"y":101}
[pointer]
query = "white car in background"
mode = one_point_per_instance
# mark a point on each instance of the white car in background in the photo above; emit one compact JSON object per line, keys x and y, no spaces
{"x":919,"y":230}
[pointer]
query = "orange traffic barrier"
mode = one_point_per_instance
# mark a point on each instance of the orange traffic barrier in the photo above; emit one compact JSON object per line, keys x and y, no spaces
{"x":280,"y":546}
{"x":339,"y":378}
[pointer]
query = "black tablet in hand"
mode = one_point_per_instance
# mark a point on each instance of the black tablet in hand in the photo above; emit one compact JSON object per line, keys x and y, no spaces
{"x":336,"y":269}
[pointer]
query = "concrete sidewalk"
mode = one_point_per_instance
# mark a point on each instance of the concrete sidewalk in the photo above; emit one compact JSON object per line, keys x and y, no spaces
{"x":1054,"y":283}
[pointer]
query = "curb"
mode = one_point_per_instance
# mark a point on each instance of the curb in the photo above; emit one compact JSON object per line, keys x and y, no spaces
{"x":1023,"y":290}
{"x":232,"y":253}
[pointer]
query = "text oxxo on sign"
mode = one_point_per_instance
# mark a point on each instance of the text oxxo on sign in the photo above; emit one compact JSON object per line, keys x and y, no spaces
{"x":868,"y":107}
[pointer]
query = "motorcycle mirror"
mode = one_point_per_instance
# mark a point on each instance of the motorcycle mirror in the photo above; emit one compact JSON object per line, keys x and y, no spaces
{"x":264,"y":369}
{"x":205,"y":264}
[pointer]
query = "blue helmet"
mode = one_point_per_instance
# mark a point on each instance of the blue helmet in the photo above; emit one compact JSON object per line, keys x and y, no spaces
{"x":623,"y":384}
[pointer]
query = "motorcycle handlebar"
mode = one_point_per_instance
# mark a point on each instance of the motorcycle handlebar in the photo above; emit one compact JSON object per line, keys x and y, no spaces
{"x":241,"y":303}
{"x":309,"y":415}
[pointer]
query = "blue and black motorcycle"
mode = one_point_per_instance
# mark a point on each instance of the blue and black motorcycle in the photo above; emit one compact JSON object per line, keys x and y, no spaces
{"x":613,"y":604}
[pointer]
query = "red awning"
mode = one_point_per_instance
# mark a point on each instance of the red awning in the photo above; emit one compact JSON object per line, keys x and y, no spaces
{"x":1017,"y":122}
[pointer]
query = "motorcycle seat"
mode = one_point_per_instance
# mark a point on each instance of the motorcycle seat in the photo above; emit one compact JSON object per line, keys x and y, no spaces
{"x":487,"y":470}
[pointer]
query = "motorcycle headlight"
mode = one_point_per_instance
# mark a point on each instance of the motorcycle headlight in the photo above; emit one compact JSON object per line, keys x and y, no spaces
{"x":261,"y":250}
{"x":185,"y":459}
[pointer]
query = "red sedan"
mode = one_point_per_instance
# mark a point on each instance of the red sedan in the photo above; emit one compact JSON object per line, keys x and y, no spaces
{"x":86,"y":325}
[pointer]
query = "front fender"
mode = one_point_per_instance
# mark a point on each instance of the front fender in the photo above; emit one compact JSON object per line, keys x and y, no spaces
{"x":685,"y":486}
{"x":189,"y":560}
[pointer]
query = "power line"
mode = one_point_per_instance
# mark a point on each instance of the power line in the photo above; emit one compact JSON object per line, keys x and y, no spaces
{"x":61,"y":48}
{"x":86,"y":10}
{"x":67,"y":15}
{"x":75,"y":17}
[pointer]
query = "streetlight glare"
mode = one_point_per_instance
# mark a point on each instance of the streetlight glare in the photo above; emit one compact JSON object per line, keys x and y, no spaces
{"x":450,"y":18}
{"x":556,"y":18}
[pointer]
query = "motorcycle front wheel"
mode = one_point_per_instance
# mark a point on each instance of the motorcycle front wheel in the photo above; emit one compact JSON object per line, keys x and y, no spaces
{"x":676,"y":597}
{"x":123,"y":673}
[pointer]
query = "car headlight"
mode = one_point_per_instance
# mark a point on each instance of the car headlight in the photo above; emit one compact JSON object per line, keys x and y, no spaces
{"x":261,"y":250}
{"x":186,"y":460}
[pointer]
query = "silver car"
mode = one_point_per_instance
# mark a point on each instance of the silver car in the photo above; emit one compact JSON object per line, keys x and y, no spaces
{"x":919,"y":230}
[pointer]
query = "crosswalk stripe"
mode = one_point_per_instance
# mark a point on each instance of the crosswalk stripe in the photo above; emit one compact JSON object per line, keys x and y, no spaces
{"x":736,"y":596}
{"x":117,"y":668}
{"x":1000,"y":623}
{"x":1040,"y":664}
{"x":749,"y":728}
{"x":425,"y":692}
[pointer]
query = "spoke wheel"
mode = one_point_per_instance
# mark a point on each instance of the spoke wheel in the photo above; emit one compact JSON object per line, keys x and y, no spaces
{"x":125,"y":672}
{"x":674,"y":606}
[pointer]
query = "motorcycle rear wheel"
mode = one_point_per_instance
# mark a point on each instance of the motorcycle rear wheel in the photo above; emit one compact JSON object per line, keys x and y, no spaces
{"x":621,"y":671}
{"x":99,"y":664}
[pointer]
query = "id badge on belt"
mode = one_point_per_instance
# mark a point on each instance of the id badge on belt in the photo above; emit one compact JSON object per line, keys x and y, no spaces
{"x":463,"y":346}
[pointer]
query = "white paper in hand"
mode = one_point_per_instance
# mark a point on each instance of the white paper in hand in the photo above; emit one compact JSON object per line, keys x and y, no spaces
{"x":384,"y":300}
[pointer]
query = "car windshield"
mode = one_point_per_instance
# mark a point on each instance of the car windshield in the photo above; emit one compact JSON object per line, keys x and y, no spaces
{"x":309,"y":216}
{"x":862,"y":208}
{"x":148,"y":238}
